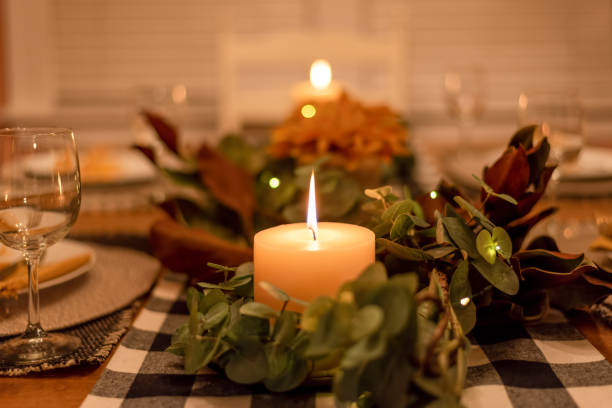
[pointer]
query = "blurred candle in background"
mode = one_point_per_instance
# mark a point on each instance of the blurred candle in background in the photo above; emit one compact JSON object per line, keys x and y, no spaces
{"x":320,"y":88}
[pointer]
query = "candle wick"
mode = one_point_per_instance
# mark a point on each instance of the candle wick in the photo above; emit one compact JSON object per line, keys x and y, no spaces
{"x":314,"y":234}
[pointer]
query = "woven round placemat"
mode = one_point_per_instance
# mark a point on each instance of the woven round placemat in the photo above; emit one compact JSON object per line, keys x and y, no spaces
{"x":97,"y":307}
{"x":119,"y":277}
{"x":97,"y":340}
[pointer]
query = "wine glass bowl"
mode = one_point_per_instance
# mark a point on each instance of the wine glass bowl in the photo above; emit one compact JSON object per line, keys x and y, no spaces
{"x":559,"y":117}
{"x":40,"y":197}
{"x":465,"y":94}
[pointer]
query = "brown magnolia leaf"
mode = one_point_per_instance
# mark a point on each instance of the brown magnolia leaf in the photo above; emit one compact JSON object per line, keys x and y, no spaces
{"x":510,"y":173}
{"x":188,"y":250}
{"x":147,"y":151}
{"x":543,"y":242}
{"x":165,"y":130}
{"x":578,"y":294}
{"x":549,"y":260}
{"x":501,"y":212}
{"x":231,"y":185}
{"x":537,"y":157}
{"x":543,"y":279}
{"x":523,"y":137}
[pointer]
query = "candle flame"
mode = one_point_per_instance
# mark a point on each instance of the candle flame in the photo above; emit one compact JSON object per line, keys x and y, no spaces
{"x":311,"y":218}
{"x":320,"y":74}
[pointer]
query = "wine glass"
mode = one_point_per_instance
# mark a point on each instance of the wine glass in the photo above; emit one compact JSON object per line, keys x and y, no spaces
{"x":464,"y":91}
{"x":559,"y":117}
{"x":558,"y":114}
{"x":40,"y":197}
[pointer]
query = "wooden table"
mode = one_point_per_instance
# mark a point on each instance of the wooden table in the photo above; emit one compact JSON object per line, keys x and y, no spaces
{"x":68,"y":387}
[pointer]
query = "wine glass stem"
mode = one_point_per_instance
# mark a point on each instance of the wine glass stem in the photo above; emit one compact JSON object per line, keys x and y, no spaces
{"x":34,"y":329}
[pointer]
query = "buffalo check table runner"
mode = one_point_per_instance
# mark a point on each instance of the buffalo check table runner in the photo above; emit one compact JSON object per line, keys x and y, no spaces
{"x":549,"y":364}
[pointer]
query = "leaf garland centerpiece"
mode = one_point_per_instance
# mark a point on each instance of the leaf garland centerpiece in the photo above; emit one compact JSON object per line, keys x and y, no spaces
{"x":396,"y":335}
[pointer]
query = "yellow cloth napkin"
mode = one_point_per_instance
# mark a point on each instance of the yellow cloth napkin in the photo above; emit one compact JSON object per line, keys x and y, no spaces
{"x":602,"y":242}
{"x":18,"y":278}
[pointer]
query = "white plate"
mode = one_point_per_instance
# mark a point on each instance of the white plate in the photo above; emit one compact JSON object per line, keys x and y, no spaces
{"x":129,"y":167}
{"x":591,"y":175}
{"x":9,"y":256}
{"x":64,"y":250}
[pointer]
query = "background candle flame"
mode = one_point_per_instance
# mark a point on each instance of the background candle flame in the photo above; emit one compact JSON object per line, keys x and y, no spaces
{"x":311,"y":217}
{"x":320,"y":74}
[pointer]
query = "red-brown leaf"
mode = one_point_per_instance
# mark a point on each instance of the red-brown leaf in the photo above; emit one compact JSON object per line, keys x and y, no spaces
{"x":229,"y":183}
{"x":165,"y":130}
{"x":187,"y":250}
{"x":510,"y":173}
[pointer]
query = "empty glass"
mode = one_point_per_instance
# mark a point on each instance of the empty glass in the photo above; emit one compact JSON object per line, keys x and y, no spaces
{"x":465,"y":92}
{"x":40,"y":197}
{"x":559,"y":117}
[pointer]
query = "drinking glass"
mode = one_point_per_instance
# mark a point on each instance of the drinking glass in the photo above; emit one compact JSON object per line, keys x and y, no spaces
{"x":558,"y":114}
{"x":464,"y":91}
{"x":559,"y":117}
{"x":40,"y":197}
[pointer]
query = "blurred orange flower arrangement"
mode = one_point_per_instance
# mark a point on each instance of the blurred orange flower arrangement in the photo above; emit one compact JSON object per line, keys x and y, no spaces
{"x":345,"y":129}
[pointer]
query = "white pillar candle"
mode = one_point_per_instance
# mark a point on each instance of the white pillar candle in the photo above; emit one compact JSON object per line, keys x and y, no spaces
{"x":289,"y":257}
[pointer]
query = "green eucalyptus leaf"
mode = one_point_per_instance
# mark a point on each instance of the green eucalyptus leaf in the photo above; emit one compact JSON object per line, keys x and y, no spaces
{"x":396,"y":306}
{"x":440,"y":251}
{"x":259,"y":310}
{"x":179,"y":340}
{"x":506,"y":197}
{"x":407,"y":281}
{"x":426,"y":233}
{"x":419,"y":221}
{"x":461,"y":235}
{"x":398,"y":208}
{"x":378,"y":193}
{"x":486,"y":246}
{"x":211,"y":298}
{"x":312,"y":314}
{"x":373,"y":275}
{"x":366,"y":349}
{"x":441,"y":234}
{"x":275,"y":292}
{"x":346,"y":385}
{"x":460,"y":287}
{"x":382,"y":229}
{"x":500,"y":275}
{"x":404,"y":252}
{"x":248,"y":365}
{"x":401,"y":226}
{"x":285,"y":327}
{"x":489,"y":190}
{"x":503,"y":242}
{"x":215,"y":315}
{"x":331,"y":332}
{"x":475,"y":213}
{"x":460,"y":293}
{"x":195,"y":354}
{"x":249,"y":326}
{"x":286,"y":370}
{"x":367,"y":321}
{"x":244,"y":269}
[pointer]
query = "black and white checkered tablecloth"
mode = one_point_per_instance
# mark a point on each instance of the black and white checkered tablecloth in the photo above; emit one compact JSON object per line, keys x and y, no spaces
{"x":545,"y":365}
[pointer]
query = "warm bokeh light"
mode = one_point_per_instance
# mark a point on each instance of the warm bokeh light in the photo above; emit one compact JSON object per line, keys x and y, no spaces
{"x":433,"y":194}
{"x":179,"y":93}
{"x":308,"y":111}
{"x":320,"y":74}
{"x":274,"y":182}
{"x":465,"y":301}
{"x":311,"y":218}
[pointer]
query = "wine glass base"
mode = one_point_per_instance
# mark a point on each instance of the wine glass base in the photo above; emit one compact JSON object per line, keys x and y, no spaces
{"x":27,"y":351}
